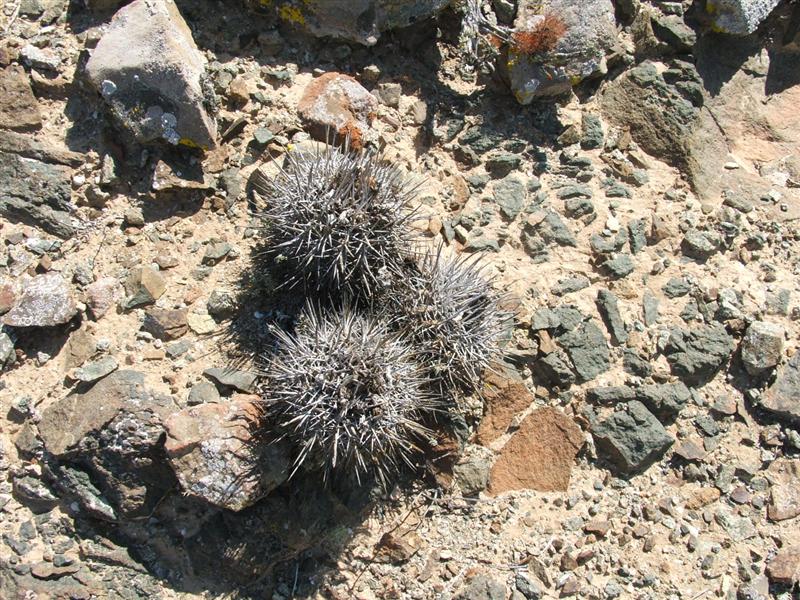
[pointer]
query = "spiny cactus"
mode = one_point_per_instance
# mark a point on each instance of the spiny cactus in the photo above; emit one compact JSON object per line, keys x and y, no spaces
{"x":341,"y":219}
{"x":348,"y":392}
{"x":449,"y":310}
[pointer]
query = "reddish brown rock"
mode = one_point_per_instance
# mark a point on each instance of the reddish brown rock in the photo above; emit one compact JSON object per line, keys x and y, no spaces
{"x":8,"y":297}
{"x":19,"y":108}
{"x":165,"y":324}
{"x":540,"y":455}
{"x":785,"y":493}
{"x":785,"y":567}
{"x":336,"y":104}
{"x":209,"y":448}
{"x":505,"y":398}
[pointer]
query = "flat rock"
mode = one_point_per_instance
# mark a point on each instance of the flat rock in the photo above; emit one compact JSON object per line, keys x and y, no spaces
{"x":210,"y":447}
{"x":782,"y":398}
{"x":579,"y":53}
{"x":695,"y":355}
{"x":19,"y":108}
{"x":784,"y":499}
{"x":762,"y":346}
{"x":36,"y":193}
{"x":97,"y":369}
{"x":44,"y":301}
{"x":631,"y":439}
{"x":504,"y":398}
{"x":509,"y":195}
{"x":336,"y":104}
{"x":242,"y":381}
{"x":587,"y":349}
{"x":151,"y":74}
{"x":165,"y":324}
{"x":539,"y":455}
{"x":144,"y":285}
{"x":608,"y":306}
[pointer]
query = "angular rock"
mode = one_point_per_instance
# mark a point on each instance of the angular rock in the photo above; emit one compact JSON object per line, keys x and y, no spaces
{"x":784,"y":568}
{"x":588,"y":350}
{"x":336,"y":104}
{"x":7,"y":354}
{"x":482,"y":587}
{"x":92,"y":371}
{"x":45,"y":301}
{"x":739,"y":17}
{"x":504,"y":397}
{"x":784,"y":498}
{"x":221,"y":305}
{"x":36,"y":193}
{"x":631,"y":439}
{"x":471,"y":473}
{"x":202,"y":392}
{"x":782,"y":398}
{"x":539,"y":455}
{"x":360,"y":21}
{"x":144,"y":285}
{"x":664,"y":400}
{"x":555,"y":369}
{"x":509,"y":195}
{"x":19,"y":108}
{"x":695,"y":355}
{"x":699,"y":244}
{"x":238,"y":380}
{"x":114,"y":430}
{"x":101,"y":295}
{"x":608,"y":306}
{"x":762,"y":347}
{"x":579,"y":53}
{"x":211,"y":449}
{"x":165,"y":324}
{"x":152,"y":75}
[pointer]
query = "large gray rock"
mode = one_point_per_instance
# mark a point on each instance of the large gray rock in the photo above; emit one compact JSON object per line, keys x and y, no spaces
{"x":45,"y":301}
{"x":590,"y":32}
{"x":151,"y":74}
{"x":695,"y":355}
{"x":36,"y":193}
{"x":783,"y":397}
{"x":631,"y":439}
{"x":360,"y":21}
{"x":739,"y":17}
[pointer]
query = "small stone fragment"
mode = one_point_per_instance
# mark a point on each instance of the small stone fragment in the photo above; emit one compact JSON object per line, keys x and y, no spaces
{"x":165,"y":324}
{"x":762,"y":347}
{"x":97,"y":369}
{"x":101,"y":295}
{"x":144,"y":285}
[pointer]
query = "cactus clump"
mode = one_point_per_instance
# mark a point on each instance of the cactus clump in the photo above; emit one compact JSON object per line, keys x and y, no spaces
{"x":348,"y":392}
{"x":341,"y":219}
{"x":449,"y":310}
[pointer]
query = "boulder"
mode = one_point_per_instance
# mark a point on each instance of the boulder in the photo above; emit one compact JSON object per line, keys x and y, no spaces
{"x":590,"y":31}
{"x":45,"y":301}
{"x":211,"y":449}
{"x":739,"y":17}
{"x":152,"y":75}
{"x":359,"y":21}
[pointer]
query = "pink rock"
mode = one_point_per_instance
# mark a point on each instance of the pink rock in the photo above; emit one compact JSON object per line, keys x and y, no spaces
{"x":102,"y":295}
{"x":45,"y":301}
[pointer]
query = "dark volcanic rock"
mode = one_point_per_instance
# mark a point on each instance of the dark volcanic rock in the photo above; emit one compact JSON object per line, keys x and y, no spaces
{"x":608,"y":306}
{"x":783,"y":397}
{"x":631,"y":439}
{"x":695,"y":355}
{"x":588,"y":350}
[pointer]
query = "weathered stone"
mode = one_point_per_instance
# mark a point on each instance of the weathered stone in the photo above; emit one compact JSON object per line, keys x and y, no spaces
{"x":101,"y":295}
{"x":509,"y":194}
{"x":588,"y":350}
{"x":165,"y":324}
{"x":45,"y":301}
{"x":18,"y":106}
{"x":360,"y":21}
{"x":608,"y":307}
{"x":211,"y":450}
{"x":336,"y":104}
{"x":739,"y":17}
{"x":504,"y":397}
{"x":215,"y":252}
{"x":784,"y":499}
{"x":665,"y":400}
{"x":570,"y":285}
{"x":7,"y":354}
{"x":591,"y":131}
{"x":579,"y":53}
{"x":151,"y":74}
{"x":97,"y":369}
{"x":784,"y":568}
{"x":673,"y":31}
{"x":471,"y":473}
{"x":201,"y":323}
{"x":619,"y":266}
{"x":762,"y":347}
{"x":700,"y":245}
{"x":482,"y":588}
{"x":539,"y":455}
{"x":202,"y":392}
{"x":221,"y":305}
{"x":238,"y":380}
{"x":738,"y":528}
{"x":676,"y":287}
{"x":178,"y":174}
{"x":631,"y":439}
{"x":144,"y":285}
{"x":695,"y":355}
{"x":782,"y":398}
{"x":555,"y":369}
{"x":36,"y":193}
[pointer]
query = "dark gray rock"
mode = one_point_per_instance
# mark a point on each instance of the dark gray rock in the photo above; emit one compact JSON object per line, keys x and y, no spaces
{"x":509,"y":194}
{"x":631,"y":439}
{"x":96,"y":369}
{"x":501,"y":165}
{"x":673,"y":31}
{"x":530,"y":588}
{"x":591,"y":132}
{"x":700,"y":245}
{"x":36,"y":193}
{"x":472,"y":472}
{"x":637,"y":234}
{"x":664,"y":400}
{"x":238,"y":380}
{"x":570,"y":285}
{"x":553,"y":231}
{"x":782,"y":398}
{"x":576,"y":208}
{"x":7,"y":354}
{"x":574,"y":191}
{"x":676,"y":287}
{"x":483,"y":588}
{"x":587,"y":348}
{"x":608,"y":306}
{"x":619,"y":266}
{"x":144,"y":285}
{"x":695,"y":355}
{"x":34,"y":494}
{"x":762,"y":347}
{"x":555,"y":370}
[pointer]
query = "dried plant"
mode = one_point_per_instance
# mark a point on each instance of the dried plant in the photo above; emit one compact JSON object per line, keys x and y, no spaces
{"x":543,"y":37}
{"x":449,"y":310}
{"x":348,"y":392}
{"x":341,"y":219}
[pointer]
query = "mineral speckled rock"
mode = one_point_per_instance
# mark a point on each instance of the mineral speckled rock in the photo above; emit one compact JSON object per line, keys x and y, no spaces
{"x":360,"y":21}
{"x":150,"y":72}
{"x":211,"y":449}
{"x":631,"y":439}
{"x":336,"y":104}
{"x":782,"y":398}
{"x":762,"y":346}
{"x":45,"y":301}
{"x":739,"y":17}
{"x":580,"y":53}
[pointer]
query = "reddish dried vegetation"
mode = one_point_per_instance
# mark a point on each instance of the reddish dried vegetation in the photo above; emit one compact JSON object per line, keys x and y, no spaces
{"x":542,"y":38}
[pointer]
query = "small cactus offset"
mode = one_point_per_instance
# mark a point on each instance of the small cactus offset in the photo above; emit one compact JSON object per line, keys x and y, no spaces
{"x":348,"y":392}
{"x":340,"y":219}
{"x":450,"y":311}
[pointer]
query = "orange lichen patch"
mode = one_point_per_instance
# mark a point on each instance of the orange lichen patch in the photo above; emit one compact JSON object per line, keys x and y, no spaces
{"x":542,"y":38}
{"x":353,"y":132}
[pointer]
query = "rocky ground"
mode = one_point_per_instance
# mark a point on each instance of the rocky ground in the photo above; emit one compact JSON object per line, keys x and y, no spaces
{"x":642,"y":440}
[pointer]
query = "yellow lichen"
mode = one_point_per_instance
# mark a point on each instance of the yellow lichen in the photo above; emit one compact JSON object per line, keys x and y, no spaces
{"x":291,"y":14}
{"x":190,"y":143}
